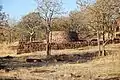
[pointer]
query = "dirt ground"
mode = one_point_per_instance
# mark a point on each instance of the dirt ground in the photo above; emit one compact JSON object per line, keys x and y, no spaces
{"x":77,"y":64}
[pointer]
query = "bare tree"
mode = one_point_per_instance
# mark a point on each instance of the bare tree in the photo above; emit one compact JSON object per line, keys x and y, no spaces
{"x":101,"y":16}
{"x":48,"y":9}
{"x":92,"y":17}
{"x":3,"y":22}
{"x":30,"y":23}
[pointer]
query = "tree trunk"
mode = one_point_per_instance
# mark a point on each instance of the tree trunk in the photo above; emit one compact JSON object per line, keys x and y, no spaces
{"x":10,"y":36}
{"x":51,"y":37}
{"x":98,"y":36}
{"x":30,"y":38}
{"x":48,"y":47}
{"x":108,"y":36}
{"x":31,"y":34}
{"x":103,"y":48}
{"x":48,"y":44}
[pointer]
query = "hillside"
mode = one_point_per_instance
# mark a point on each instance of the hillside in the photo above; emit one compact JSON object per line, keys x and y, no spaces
{"x":91,"y":68}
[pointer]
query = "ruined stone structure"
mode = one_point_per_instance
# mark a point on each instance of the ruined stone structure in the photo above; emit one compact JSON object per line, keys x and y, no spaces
{"x":63,"y":37}
{"x":60,"y":40}
{"x":58,"y":37}
{"x":37,"y":46}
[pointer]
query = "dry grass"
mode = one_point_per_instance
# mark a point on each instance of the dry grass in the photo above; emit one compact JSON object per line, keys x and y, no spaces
{"x":4,"y":49}
{"x":102,"y":67}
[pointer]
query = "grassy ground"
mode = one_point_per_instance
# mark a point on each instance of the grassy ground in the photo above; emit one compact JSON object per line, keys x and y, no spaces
{"x":97,"y":68}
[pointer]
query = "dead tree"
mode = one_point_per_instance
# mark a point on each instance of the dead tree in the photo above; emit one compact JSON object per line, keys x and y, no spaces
{"x":48,"y":9}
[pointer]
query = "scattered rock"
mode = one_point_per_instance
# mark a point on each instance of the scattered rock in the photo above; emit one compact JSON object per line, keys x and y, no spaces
{"x":2,"y":67}
{"x":33,"y":60}
{"x":9,"y":78}
{"x":8,"y":57}
{"x":75,"y":75}
{"x":43,"y":71}
{"x":111,"y":78}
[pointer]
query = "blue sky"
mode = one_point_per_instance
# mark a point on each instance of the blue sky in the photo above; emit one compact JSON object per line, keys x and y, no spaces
{"x":18,"y":8}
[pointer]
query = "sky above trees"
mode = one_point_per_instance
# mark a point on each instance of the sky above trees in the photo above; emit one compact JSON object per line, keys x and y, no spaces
{"x":18,"y":8}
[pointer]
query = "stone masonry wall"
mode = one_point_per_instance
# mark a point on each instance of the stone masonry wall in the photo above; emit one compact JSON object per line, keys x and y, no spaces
{"x":24,"y":47}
